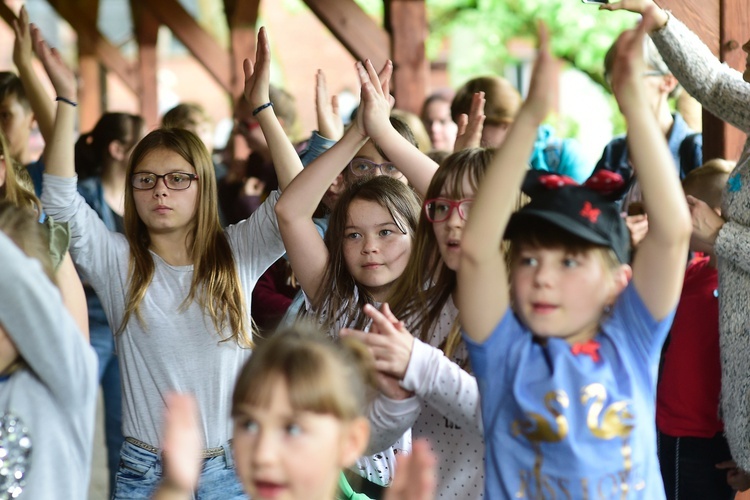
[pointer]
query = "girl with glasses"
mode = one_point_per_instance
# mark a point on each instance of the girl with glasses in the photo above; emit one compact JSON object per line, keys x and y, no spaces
{"x":176,"y":287}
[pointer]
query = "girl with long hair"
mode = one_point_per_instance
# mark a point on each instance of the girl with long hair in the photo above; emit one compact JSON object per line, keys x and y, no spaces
{"x":176,"y":287}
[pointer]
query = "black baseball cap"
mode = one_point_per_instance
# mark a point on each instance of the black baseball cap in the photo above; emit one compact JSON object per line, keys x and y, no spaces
{"x":588,"y":211}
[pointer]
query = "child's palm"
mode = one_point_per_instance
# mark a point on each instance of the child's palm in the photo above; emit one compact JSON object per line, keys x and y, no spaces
{"x":257,"y":76}
{"x":59,"y":73}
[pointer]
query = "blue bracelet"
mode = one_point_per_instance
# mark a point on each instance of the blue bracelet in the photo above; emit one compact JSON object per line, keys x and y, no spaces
{"x":66,"y":101}
{"x":261,"y":108}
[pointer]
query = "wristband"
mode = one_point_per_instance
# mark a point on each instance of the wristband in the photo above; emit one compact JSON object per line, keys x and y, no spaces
{"x":261,"y":108}
{"x":66,"y":101}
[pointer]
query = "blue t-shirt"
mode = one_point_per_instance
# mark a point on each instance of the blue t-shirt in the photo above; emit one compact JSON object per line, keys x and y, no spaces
{"x":561,"y":425}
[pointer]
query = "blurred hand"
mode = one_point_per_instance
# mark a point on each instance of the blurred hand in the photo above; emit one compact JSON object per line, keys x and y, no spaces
{"x":470,"y":126}
{"x":706,"y":222}
{"x":656,"y":22}
{"x":182,"y":443}
{"x":638,"y":226}
{"x":373,"y":115}
{"x":737,"y":478}
{"x":544,"y":80}
{"x":59,"y":73}
{"x":330,"y":124}
{"x":416,"y":476}
{"x":258,"y":74}
{"x":22,"y":48}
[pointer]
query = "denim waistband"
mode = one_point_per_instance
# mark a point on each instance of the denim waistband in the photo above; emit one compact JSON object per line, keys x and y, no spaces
{"x":207,"y":453}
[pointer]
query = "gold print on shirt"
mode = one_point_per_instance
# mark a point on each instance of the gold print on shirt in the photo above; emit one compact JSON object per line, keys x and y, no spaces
{"x":537,"y":429}
{"x":610,"y":422}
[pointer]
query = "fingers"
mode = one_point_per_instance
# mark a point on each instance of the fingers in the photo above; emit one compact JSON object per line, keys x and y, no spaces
{"x":463,"y":122}
{"x":384,"y":77}
{"x":335,"y":105}
{"x":374,"y":77}
{"x":384,"y":323}
{"x":321,"y":89}
{"x":386,"y":310}
{"x":248,"y":68}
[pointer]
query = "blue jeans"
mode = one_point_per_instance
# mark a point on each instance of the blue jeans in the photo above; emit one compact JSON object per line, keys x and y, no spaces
{"x":141,"y":471}
{"x":103,"y":343}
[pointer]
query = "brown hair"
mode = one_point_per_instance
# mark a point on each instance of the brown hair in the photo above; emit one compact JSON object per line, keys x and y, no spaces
{"x":185,"y":115}
{"x":10,"y":84}
{"x":322,"y":376}
{"x":337,"y":293}
{"x":216,"y":282}
{"x":539,"y":233}
{"x":93,"y":147}
{"x":707,"y":181}
{"x":427,"y":283}
{"x":502,"y":99}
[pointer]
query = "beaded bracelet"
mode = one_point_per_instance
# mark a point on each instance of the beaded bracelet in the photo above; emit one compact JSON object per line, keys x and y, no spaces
{"x":261,"y":108}
{"x":66,"y":101}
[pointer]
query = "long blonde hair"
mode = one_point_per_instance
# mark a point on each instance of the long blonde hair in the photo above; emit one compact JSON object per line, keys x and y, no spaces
{"x":12,"y":190}
{"x":216,"y":282}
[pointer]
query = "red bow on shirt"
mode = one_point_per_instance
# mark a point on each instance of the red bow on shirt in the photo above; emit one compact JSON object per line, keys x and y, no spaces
{"x":589,"y":348}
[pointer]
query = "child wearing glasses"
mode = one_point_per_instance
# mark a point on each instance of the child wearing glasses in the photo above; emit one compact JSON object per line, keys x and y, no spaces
{"x":176,"y":287}
{"x":425,"y":353}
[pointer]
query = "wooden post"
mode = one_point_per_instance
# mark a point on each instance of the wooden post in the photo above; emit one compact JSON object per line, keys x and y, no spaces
{"x":146,"y":34}
{"x":242,"y":17}
{"x":407,"y":23}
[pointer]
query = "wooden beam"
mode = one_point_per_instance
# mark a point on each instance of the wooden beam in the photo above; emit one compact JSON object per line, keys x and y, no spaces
{"x":242,"y":18}
{"x":361,"y":36}
{"x":85,"y":25}
{"x":202,"y":45}
{"x":407,"y":20}
{"x":701,"y":16}
{"x":146,"y":33}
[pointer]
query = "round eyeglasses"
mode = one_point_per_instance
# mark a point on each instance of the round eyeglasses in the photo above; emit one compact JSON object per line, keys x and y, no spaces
{"x":440,"y":209}
{"x":177,"y":181}
{"x":361,"y":167}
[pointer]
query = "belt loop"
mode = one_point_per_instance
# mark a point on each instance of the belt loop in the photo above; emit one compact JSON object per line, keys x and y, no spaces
{"x":228,"y":454}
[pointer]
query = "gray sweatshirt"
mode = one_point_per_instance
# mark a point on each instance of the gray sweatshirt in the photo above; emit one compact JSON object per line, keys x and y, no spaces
{"x":174,"y":349}
{"x":722,"y":91}
{"x":53,"y":398}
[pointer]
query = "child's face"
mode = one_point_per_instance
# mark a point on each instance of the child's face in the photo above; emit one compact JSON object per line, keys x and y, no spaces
{"x":368,"y":152}
{"x":375,"y":250}
{"x":448,"y":233}
{"x":161,"y":209}
{"x":562,"y":294}
{"x":16,"y":122}
{"x":285,"y":454}
{"x":440,"y":125}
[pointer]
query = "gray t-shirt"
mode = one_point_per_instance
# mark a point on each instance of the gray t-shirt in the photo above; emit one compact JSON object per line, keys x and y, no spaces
{"x":50,"y":402}
{"x":174,"y":349}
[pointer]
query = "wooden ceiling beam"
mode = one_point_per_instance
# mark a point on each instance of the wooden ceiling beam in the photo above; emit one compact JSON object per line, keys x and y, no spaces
{"x":90,"y":93}
{"x":407,"y":22}
{"x":110,"y":57}
{"x":202,"y":45}
{"x":361,"y":36}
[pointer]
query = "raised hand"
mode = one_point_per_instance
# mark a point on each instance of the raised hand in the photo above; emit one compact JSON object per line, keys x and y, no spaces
{"x":376,"y":102}
{"x":258,"y":74}
{"x":182,"y":444}
{"x":470,"y":126}
{"x":540,"y":99}
{"x":628,"y":65}
{"x":416,"y":478}
{"x":59,"y":73}
{"x":22,"y":49}
{"x":330,"y":124}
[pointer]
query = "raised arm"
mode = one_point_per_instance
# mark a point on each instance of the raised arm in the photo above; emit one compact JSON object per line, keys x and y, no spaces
{"x":330,"y":124}
{"x":483,"y":294}
{"x":307,"y":252}
{"x":41,"y":104}
{"x":416,"y":166}
{"x":659,"y":264}
{"x":719,"y":88}
{"x":59,"y":159}
{"x":286,"y":162}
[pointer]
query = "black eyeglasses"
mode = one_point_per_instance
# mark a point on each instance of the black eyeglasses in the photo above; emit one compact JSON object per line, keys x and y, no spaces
{"x":440,"y":209}
{"x":361,"y":166}
{"x":176,"y":181}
